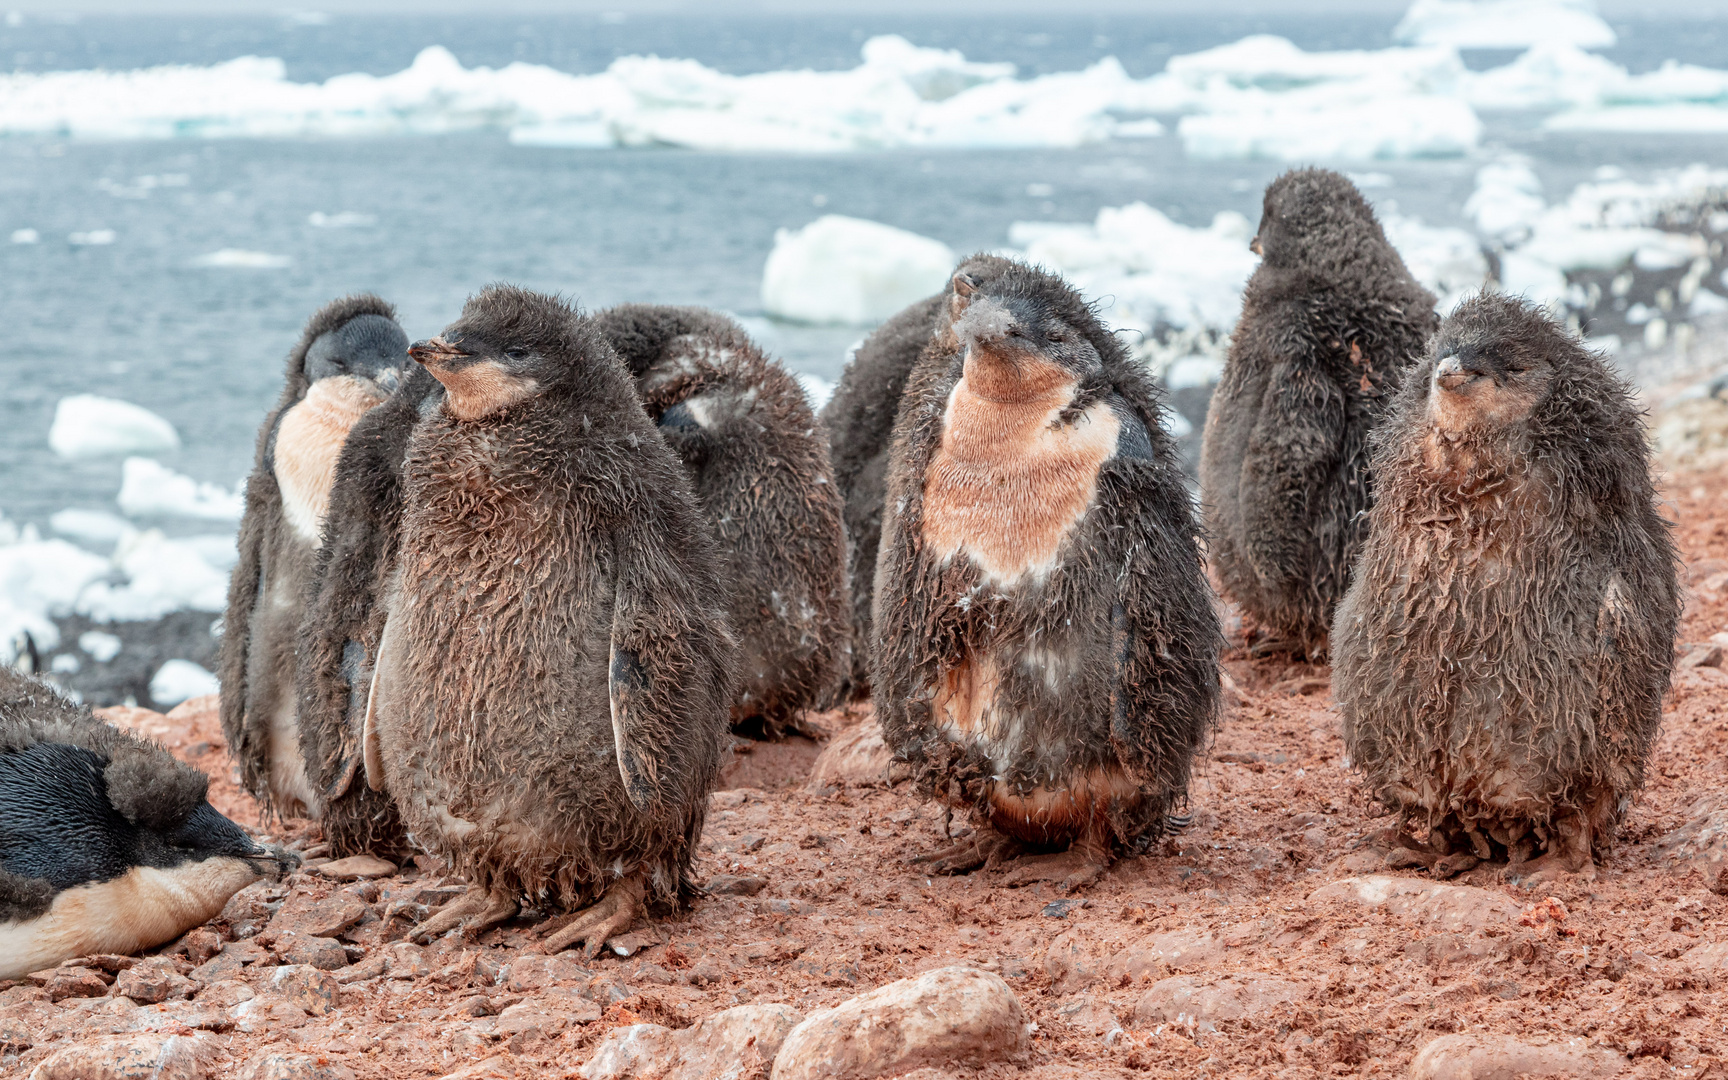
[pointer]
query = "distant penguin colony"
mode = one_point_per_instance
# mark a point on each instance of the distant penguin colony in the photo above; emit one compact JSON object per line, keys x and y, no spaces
{"x":1502,"y":654}
{"x":554,"y":677}
{"x":1329,"y":323}
{"x":107,"y":843}
{"x":759,"y":465}
{"x":344,"y":620}
{"x":860,"y":423}
{"x":1045,"y":646}
{"x":348,"y":360}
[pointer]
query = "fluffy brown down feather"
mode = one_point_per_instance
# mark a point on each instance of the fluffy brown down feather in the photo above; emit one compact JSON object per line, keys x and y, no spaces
{"x":1330,"y":321}
{"x":549,"y":550}
{"x":759,"y":465}
{"x":1503,"y":651}
{"x":1124,"y":625}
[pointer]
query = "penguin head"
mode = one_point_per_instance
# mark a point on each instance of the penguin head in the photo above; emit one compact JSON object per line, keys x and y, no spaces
{"x":508,"y":346}
{"x":165,"y":801}
{"x":371,"y":347}
{"x":1020,"y":341}
{"x":1493,"y":362}
{"x":1313,"y":218}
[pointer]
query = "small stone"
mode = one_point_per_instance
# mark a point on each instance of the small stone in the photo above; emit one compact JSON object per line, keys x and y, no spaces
{"x":266,"y":1014}
{"x":1445,"y":907}
{"x":751,"y":842}
{"x":1230,"y":998}
{"x":372,"y":967}
{"x":293,"y":1067}
{"x":321,"y":918}
{"x":306,"y":987}
{"x":857,"y":757}
{"x":406,"y":960}
{"x":495,"y":1068}
{"x":109,"y":962}
{"x":1059,"y":909}
{"x":357,"y":868}
{"x":533,"y":972}
{"x":230,"y":963}
{"x":75,"y":982}
{"x":199,"y":944}
{"x":226,"y":994}
{"x":784,"y":907}
{"x":736,"y":1043}
{"x":1181,"y":950}
{"x":1501,"y":1057}
{"x":132,"y":1057}
{"x":731,"y":885}
{"x":943,"y":1018}
{"x":325,"y":954}
{"x":152,"y":984}
{"x":1703,"y":656}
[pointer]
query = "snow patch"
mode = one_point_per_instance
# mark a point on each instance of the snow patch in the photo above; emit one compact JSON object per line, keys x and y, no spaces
{"x":89,"y":426}
{"x":149,"y":488}
{"x":179,"y":680}
{"x":99,"y":645}
{"x":850,"y":271}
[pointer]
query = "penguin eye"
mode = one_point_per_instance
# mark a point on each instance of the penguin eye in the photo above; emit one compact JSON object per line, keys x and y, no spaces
{"x":516,"y":352}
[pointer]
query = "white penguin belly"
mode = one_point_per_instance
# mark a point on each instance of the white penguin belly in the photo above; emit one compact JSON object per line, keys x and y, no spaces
{"x":1010,"y":482}
{"x":308,"y":441}
{"x":141,"y":908}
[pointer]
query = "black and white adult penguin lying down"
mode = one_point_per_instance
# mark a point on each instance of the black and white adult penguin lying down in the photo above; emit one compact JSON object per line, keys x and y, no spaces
{"x":107,"y":843}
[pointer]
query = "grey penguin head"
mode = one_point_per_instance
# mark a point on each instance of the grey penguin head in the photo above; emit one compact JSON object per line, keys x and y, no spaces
{"x":509,"y":345}
{"x":1493,"y":362}
{"x":1312,"y":217}
{"x":1016,"y":339}
{"x":368,"y":346}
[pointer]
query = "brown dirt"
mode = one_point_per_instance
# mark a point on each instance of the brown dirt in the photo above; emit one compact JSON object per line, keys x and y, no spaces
{"x":1266,"y":977}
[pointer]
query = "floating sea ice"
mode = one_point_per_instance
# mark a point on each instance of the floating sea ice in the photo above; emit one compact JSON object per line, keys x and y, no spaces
{"x":162,"y":576}
{"x":1503,"y":24}
{"x":149,"y":488}
{"x":1349,"y":121}
{"x":40,"y":578}
{"x":26,"y":236}
{"x":100,"y":645}
{"x":178,"y":680}
{"x":1448,"y":262}
{"x":241,"y":259}
{"x":849,"y":271}
{"x":346,"y":219}
{"x":92,"y":238}
{"x":89,"y":426}
{"x":91,"y":526}
{"x":1507,"y":201}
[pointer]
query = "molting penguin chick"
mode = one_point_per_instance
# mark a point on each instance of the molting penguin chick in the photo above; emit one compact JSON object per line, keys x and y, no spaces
{"x":349,"y":358}
{"x":345,"y":616}
{"x":859,"y":419}
{"x":1330,"y":321}
{"x":107,"y":844}
{"x":552,"y":684}
{"x":1501,"y":656}
{"x":759,"y":466}
{"x":1046,"y":646}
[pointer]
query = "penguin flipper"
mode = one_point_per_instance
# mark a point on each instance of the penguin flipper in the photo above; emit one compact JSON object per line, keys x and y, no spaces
{"x":370,"y":751}
{"x":1295,"y":445}
{"x":626,"y":685}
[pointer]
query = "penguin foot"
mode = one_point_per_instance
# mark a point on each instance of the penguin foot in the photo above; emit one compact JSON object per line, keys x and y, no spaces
{"x":594,"y":924}
{"x":474,"y":910}
{"x":1453,"y":865}
{"x":1403,"y":858}
{"x":985,"y":848}
{"x":1071,"y":870}
{"x":1568,"y":856}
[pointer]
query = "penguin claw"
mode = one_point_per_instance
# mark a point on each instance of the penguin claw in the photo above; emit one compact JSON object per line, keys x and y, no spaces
{"x":593,"y":925}
{"x":474,"y":910}
{"x":985,"y":848}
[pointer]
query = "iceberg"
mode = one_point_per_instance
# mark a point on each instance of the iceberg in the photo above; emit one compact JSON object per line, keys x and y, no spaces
{"x":149,"y":488}
{"x":241,"y":259}
{"x":162,"y":576}
{"x":39,"y":579}
{"x":843,"y":270}
{"x":91,"y":526}
{"x":1503,"y":24}
{"x":179,"y":680}
{"x":89,"y":426}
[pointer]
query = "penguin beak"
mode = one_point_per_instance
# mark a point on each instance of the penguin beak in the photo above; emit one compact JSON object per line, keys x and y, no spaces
{"x":1452,"y":374}
{"x":1254,"y":245}
{"x":435,"y":352}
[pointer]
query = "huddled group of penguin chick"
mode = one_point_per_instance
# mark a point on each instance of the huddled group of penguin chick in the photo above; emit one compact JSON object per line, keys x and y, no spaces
{"x":503,"y":592}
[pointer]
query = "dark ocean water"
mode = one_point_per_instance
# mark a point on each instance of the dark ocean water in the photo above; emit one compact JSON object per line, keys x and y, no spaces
{"x":203,"y":346}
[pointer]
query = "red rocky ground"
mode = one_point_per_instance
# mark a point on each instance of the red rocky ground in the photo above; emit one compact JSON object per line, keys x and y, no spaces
{"x":1263,"y":941}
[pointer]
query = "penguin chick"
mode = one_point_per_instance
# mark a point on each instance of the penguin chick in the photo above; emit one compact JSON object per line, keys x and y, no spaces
{"x":1046,"y":647}
{"x":107,"y":844}
{"x":859,"y":419}
{"x":348,"y":359}
{"x":745,"y":433}
{"x":1330,"y":321}
{"x":1502,"y":653}
{"x":553,"y":680}
{"x":344,"y":619}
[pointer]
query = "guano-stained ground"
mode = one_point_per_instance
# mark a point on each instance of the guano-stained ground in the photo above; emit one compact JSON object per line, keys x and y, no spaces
{"x":1212,"y":956}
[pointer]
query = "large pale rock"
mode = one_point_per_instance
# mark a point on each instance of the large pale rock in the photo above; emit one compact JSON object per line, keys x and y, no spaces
{"x":131,"y":1057}
{"x":1182,"y":950}
{"x":293,"y":1067}
{"x":1444,"y":907}
{"x":355,"y":868}
{"x":738,"y":1044}
{"x":1501,"y":1057}
{"x":946,"y":1017}
{"x":857,"y":757}
{"x":1710,"y":958}
{"x":1229,"y":998}
{"x":319,"y":918}
{"x":1701,"y":843}
{"x":531,"y":972}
